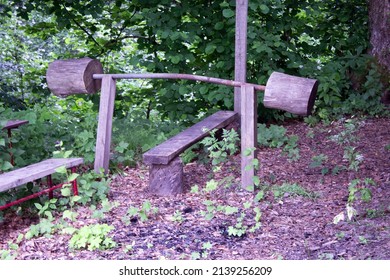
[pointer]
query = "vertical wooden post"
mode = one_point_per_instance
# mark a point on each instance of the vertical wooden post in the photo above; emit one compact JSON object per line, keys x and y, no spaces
{"x":240,"y":49}
{"x":248,"y":134}
{"x":106,"y":112}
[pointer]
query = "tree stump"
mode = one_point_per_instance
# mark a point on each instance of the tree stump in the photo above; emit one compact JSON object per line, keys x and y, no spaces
{"x":72,"y":76}
{"x":166,"y":179}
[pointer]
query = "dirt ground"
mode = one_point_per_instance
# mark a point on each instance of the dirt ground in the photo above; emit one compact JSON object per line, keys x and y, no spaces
{"x":295,"y":225}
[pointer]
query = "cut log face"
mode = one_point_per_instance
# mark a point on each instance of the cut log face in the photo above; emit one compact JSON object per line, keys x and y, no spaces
{"x":289,"y":93}
{"x":166,"y":179}
{"x":72,"y":76}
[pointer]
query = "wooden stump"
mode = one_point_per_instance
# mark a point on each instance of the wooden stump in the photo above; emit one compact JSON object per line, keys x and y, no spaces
{"x":72,"y":76}
{"x":166,"y":179}
{"x":289,"y":93}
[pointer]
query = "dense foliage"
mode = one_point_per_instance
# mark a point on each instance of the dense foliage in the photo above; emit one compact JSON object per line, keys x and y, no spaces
{"x":326,"y":40}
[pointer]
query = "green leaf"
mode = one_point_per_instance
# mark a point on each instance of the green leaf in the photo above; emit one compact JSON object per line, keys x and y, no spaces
{"x":6,"y":166}
{"x":210,"y":48}
{"x":366,"y":194}
{"x":259,"y":196}
{"x":256,"y":180}
{"x":250,"y":188}
{"x":195,"y":189}
{"x":133,"y":211}
{"x":68,"y":215}
{"x":264,"y":9}
{"x":228,"y":13}
{"x":207,"y":246}
{"x":65,"y":192}
{"x":175,"y":59}
{"x":247,"y":205}
{"x":61,"y":170}
{"x":219,"y":26}
{"x":230,"y":210}
{"x":38,"y":206}
{"x":67,"y":154}
{"x":73,"y":177}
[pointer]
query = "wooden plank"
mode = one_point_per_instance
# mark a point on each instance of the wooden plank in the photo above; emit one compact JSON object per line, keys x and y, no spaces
{"x":240,"y":49}
{"x":14,"y":124}
{"x":106,"y":112}
{"x":165,"y":152}
{"x":248,"y":134}
{"x":35,"y":171}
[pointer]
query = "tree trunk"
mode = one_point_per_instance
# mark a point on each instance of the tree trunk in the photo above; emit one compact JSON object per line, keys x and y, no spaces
{"x":379,"y":17}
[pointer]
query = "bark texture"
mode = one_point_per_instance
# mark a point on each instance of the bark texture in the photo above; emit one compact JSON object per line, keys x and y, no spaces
{"x":379,"y":18}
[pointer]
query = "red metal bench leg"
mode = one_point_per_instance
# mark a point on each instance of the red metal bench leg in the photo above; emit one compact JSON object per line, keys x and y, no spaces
{"x":10,"y":146}
{"x":30,"y":197}
{"x":50,"y":190}
{"x":50,"y":185}
{"x":74,"y":183}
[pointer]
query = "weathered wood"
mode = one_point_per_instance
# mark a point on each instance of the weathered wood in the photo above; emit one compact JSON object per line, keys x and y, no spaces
{"x":289,"y":93}
{"x":166,"y":179}
{"x":72,"y":76}
{"x":248,"y":134}
{"x":104,"y":130}
{"x":165,"y":152}
{"x":240,"y":49}
{"x":177,"y":76}
{"x":35,"y":171}
{"x":14,"y":124}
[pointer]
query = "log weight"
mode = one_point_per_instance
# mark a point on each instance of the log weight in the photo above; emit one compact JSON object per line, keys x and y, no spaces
{"x":285,"y":92}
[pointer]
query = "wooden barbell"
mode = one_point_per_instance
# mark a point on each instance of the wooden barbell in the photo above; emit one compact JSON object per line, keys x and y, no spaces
{"x":285,"y":92}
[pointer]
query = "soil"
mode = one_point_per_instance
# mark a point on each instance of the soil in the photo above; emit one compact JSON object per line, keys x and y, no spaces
{"x":296,"y":223}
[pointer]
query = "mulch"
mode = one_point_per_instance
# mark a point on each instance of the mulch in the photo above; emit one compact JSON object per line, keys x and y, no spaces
{"x":293,"y":226}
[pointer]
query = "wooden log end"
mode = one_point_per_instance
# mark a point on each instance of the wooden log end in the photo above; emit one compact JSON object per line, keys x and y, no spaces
{"x":73,"y":76}
{"x":290,"y":93}
{"x":165,"y":180}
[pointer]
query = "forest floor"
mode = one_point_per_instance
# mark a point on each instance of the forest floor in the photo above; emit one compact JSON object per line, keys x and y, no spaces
{"x":297,"y":219}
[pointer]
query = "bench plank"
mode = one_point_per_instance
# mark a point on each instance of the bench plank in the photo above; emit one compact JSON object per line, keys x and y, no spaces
{"x":14,"y":124}
{"x":165,"y":152}
{"x":35,"y":171}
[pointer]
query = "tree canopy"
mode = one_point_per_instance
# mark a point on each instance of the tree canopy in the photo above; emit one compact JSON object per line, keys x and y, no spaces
{"x":326,"y":40}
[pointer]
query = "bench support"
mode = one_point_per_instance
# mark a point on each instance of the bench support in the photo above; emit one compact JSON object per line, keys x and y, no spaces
{"x":34,"y":172}
{"x":166,"y":168}
{"x":166,"y":179}
{"x":35,"y":195}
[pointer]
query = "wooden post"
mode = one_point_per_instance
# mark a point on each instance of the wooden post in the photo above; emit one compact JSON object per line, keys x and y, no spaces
{"x":106,"y":112}
{"x":248,"y":134}
{"x":240,"y":49}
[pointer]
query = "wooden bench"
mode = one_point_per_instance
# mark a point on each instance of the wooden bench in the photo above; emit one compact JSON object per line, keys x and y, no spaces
{"x":12,"y":124}
{"x":46,"y":168}
{"x":166,"y":168}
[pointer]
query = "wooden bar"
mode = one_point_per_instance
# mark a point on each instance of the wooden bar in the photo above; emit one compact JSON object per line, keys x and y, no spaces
{"x":15,"y":178}
{"x":248,"y":134}
{"x":240,"y":49}
{"x":165,"y":152}
{"x":106,"y":112}
{"x":175,"y":76}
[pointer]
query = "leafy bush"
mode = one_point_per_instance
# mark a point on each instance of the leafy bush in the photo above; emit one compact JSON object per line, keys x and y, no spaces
{"x":92,"y":237}
{"x":275,"y":136}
